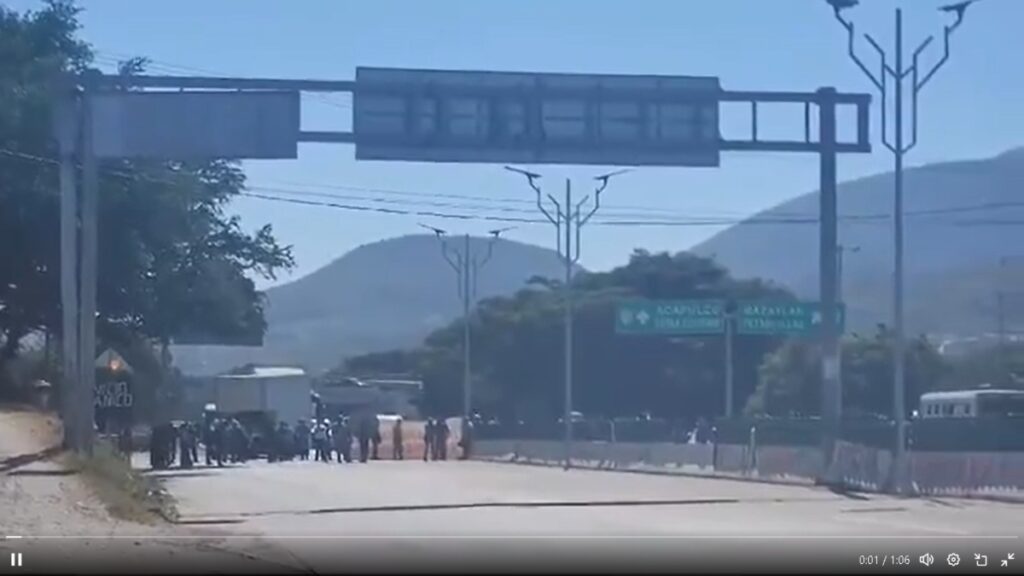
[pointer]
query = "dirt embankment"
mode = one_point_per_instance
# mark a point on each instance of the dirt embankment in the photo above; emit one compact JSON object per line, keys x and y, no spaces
{"x":48,"y":496}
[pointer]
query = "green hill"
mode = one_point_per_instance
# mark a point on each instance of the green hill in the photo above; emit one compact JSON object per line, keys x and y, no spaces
{"x":962,"y":218}
{"x":380,"y":296}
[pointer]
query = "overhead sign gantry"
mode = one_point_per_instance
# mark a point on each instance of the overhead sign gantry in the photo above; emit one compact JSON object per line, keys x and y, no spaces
{"x":433,"y":116}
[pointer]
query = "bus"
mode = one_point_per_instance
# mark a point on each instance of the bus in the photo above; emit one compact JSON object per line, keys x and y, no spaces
{"x":981,"y":403}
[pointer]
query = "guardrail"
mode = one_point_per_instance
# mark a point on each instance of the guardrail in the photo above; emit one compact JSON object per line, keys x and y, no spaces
{"x":954,"y":457}
{"x":925,"y":435}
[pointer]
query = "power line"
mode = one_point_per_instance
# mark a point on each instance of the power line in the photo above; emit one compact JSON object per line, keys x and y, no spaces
{"x":117,"y":58}
{"x":412,"y":209}
{"x":432,"y":214}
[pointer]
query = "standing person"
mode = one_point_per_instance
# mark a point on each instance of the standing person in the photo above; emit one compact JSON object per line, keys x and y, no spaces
{"x":346,"y":439}
{"x":185,"y":441}
{"x":428,"y":439}
{"x":365,"y":434}
{"x":193,"y":430}
{"x":154,"y":447}
{"x":337,"y":439}
{"x":328,"y":440}
{"x":397,"y":446}
{"x":466,"y":439}
{"x":442,"y":438}
{"x":375,"y":438}
{"x":170,"y":445}
{"x":286,"y":449}
{"x":220,"y":432}
{"x":320,"y":442}
{"x":239,"y":442}
{"x":302,"y":439}
{"x":245,"y":444}
{"x":209,"y":431}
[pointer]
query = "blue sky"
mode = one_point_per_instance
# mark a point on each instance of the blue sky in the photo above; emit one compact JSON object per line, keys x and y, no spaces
{"x":968,"y":111}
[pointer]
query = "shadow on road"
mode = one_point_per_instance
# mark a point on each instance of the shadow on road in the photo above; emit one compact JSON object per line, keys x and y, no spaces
{"x":163,"y":474}
{"x":42,"y":473}
{"x":12,"y":462}
{"x":238,"y":517}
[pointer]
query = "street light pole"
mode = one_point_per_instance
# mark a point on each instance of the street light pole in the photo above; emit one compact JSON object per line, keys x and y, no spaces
{"x":841,"y":251}
{"x":467,"y":266}
{"x":899,"y":75}
{"x":574,"y":220}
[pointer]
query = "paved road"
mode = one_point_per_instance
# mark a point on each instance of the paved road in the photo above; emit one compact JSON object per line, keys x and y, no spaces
{"x":414,"y":511}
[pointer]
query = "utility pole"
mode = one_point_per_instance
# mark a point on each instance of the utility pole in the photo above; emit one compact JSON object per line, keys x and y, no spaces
{"x":88,"y":271}
{"x":730,"y":330}
{"x":828,"y":235}
{"x":571,"y":216}
{"x":467,"y":266}
{"x":67,"y":137}
{"x":899,"y":75}
{"x":841,"y":251}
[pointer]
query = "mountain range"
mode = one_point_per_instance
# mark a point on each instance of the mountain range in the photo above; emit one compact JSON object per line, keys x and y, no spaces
{"x":964,"y":223}
{"x":379,"y":296}
{"x":963,"y":231}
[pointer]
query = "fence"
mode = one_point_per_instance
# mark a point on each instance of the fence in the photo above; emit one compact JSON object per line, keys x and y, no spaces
{"x":948,"y":456}
{"x":924,"y":435}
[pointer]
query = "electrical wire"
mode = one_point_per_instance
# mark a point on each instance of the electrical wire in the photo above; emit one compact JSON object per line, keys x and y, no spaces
{"x":413,"y":208}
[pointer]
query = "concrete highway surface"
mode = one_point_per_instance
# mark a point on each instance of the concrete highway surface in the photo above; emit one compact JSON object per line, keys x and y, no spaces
{"x":412,"y":514}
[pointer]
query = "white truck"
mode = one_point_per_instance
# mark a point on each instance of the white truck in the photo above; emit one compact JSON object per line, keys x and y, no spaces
{"x":282,"y":393}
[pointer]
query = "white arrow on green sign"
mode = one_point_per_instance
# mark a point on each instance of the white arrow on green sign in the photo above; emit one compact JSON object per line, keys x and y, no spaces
{"x":653,"y":317}
{"x":792,"y":318}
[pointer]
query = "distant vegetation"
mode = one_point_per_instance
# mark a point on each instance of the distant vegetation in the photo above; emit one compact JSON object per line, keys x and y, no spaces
{"x":518,"y":355}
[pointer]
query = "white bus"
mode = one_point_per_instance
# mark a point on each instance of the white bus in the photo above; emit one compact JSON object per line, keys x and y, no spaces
{"x":984,"y":402}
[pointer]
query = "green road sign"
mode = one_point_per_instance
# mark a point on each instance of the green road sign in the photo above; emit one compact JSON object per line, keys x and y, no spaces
{"x":787,"y":319}
{"x":653,"y":317}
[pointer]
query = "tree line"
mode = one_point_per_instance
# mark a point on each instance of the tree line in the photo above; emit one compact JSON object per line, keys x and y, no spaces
{"x":518,"y":358}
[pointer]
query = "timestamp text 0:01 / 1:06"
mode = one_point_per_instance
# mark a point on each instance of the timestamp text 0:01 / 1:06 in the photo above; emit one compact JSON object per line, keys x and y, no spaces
{"x":884,"y":559}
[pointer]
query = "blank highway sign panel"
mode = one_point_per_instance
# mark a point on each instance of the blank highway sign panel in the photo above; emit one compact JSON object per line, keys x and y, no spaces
{"x":196,"y":125}
{"x":534,"y":118}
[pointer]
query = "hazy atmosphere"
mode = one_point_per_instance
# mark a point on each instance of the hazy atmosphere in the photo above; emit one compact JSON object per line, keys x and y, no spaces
{"x":321,"y":285}
{"x":749,"y":44}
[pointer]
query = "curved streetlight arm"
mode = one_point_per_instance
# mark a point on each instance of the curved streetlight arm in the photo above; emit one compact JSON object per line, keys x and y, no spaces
{"x":531,"y":179}
{"x":883,"y":88}
{"x":886,"y":69}
{"x":556,"y":221}
{"x":947,"y":32}
{"x":597,"y":206}
{"x":851,"y":38}
{"x":495,"y":235}
{"x":454,"y":258}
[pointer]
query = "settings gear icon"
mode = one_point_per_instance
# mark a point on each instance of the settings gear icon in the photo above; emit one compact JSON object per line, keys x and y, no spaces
{"x":953,"y":559}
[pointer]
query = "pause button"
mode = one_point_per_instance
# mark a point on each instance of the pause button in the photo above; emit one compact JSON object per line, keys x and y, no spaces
{"x":16,"y":559}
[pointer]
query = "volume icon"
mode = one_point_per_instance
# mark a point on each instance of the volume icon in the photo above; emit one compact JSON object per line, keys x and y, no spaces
{"x":16,"y":561}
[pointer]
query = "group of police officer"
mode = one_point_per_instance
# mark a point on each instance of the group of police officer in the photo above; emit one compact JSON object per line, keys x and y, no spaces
{"x":226,"y":440}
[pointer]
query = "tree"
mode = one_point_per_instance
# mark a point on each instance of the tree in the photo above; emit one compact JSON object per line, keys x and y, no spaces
{"x":790,"y":378}
{"x":33,"y":48}
{"x":518,"y":352}
{"x":999,"y":366}
{"x":172,"y":264}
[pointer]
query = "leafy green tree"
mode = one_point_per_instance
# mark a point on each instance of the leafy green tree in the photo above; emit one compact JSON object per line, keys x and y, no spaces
{"x":172,"y":263}
{"x":518,"y":347}
{"x":790,"y":378}
{"x":999,"y":366}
